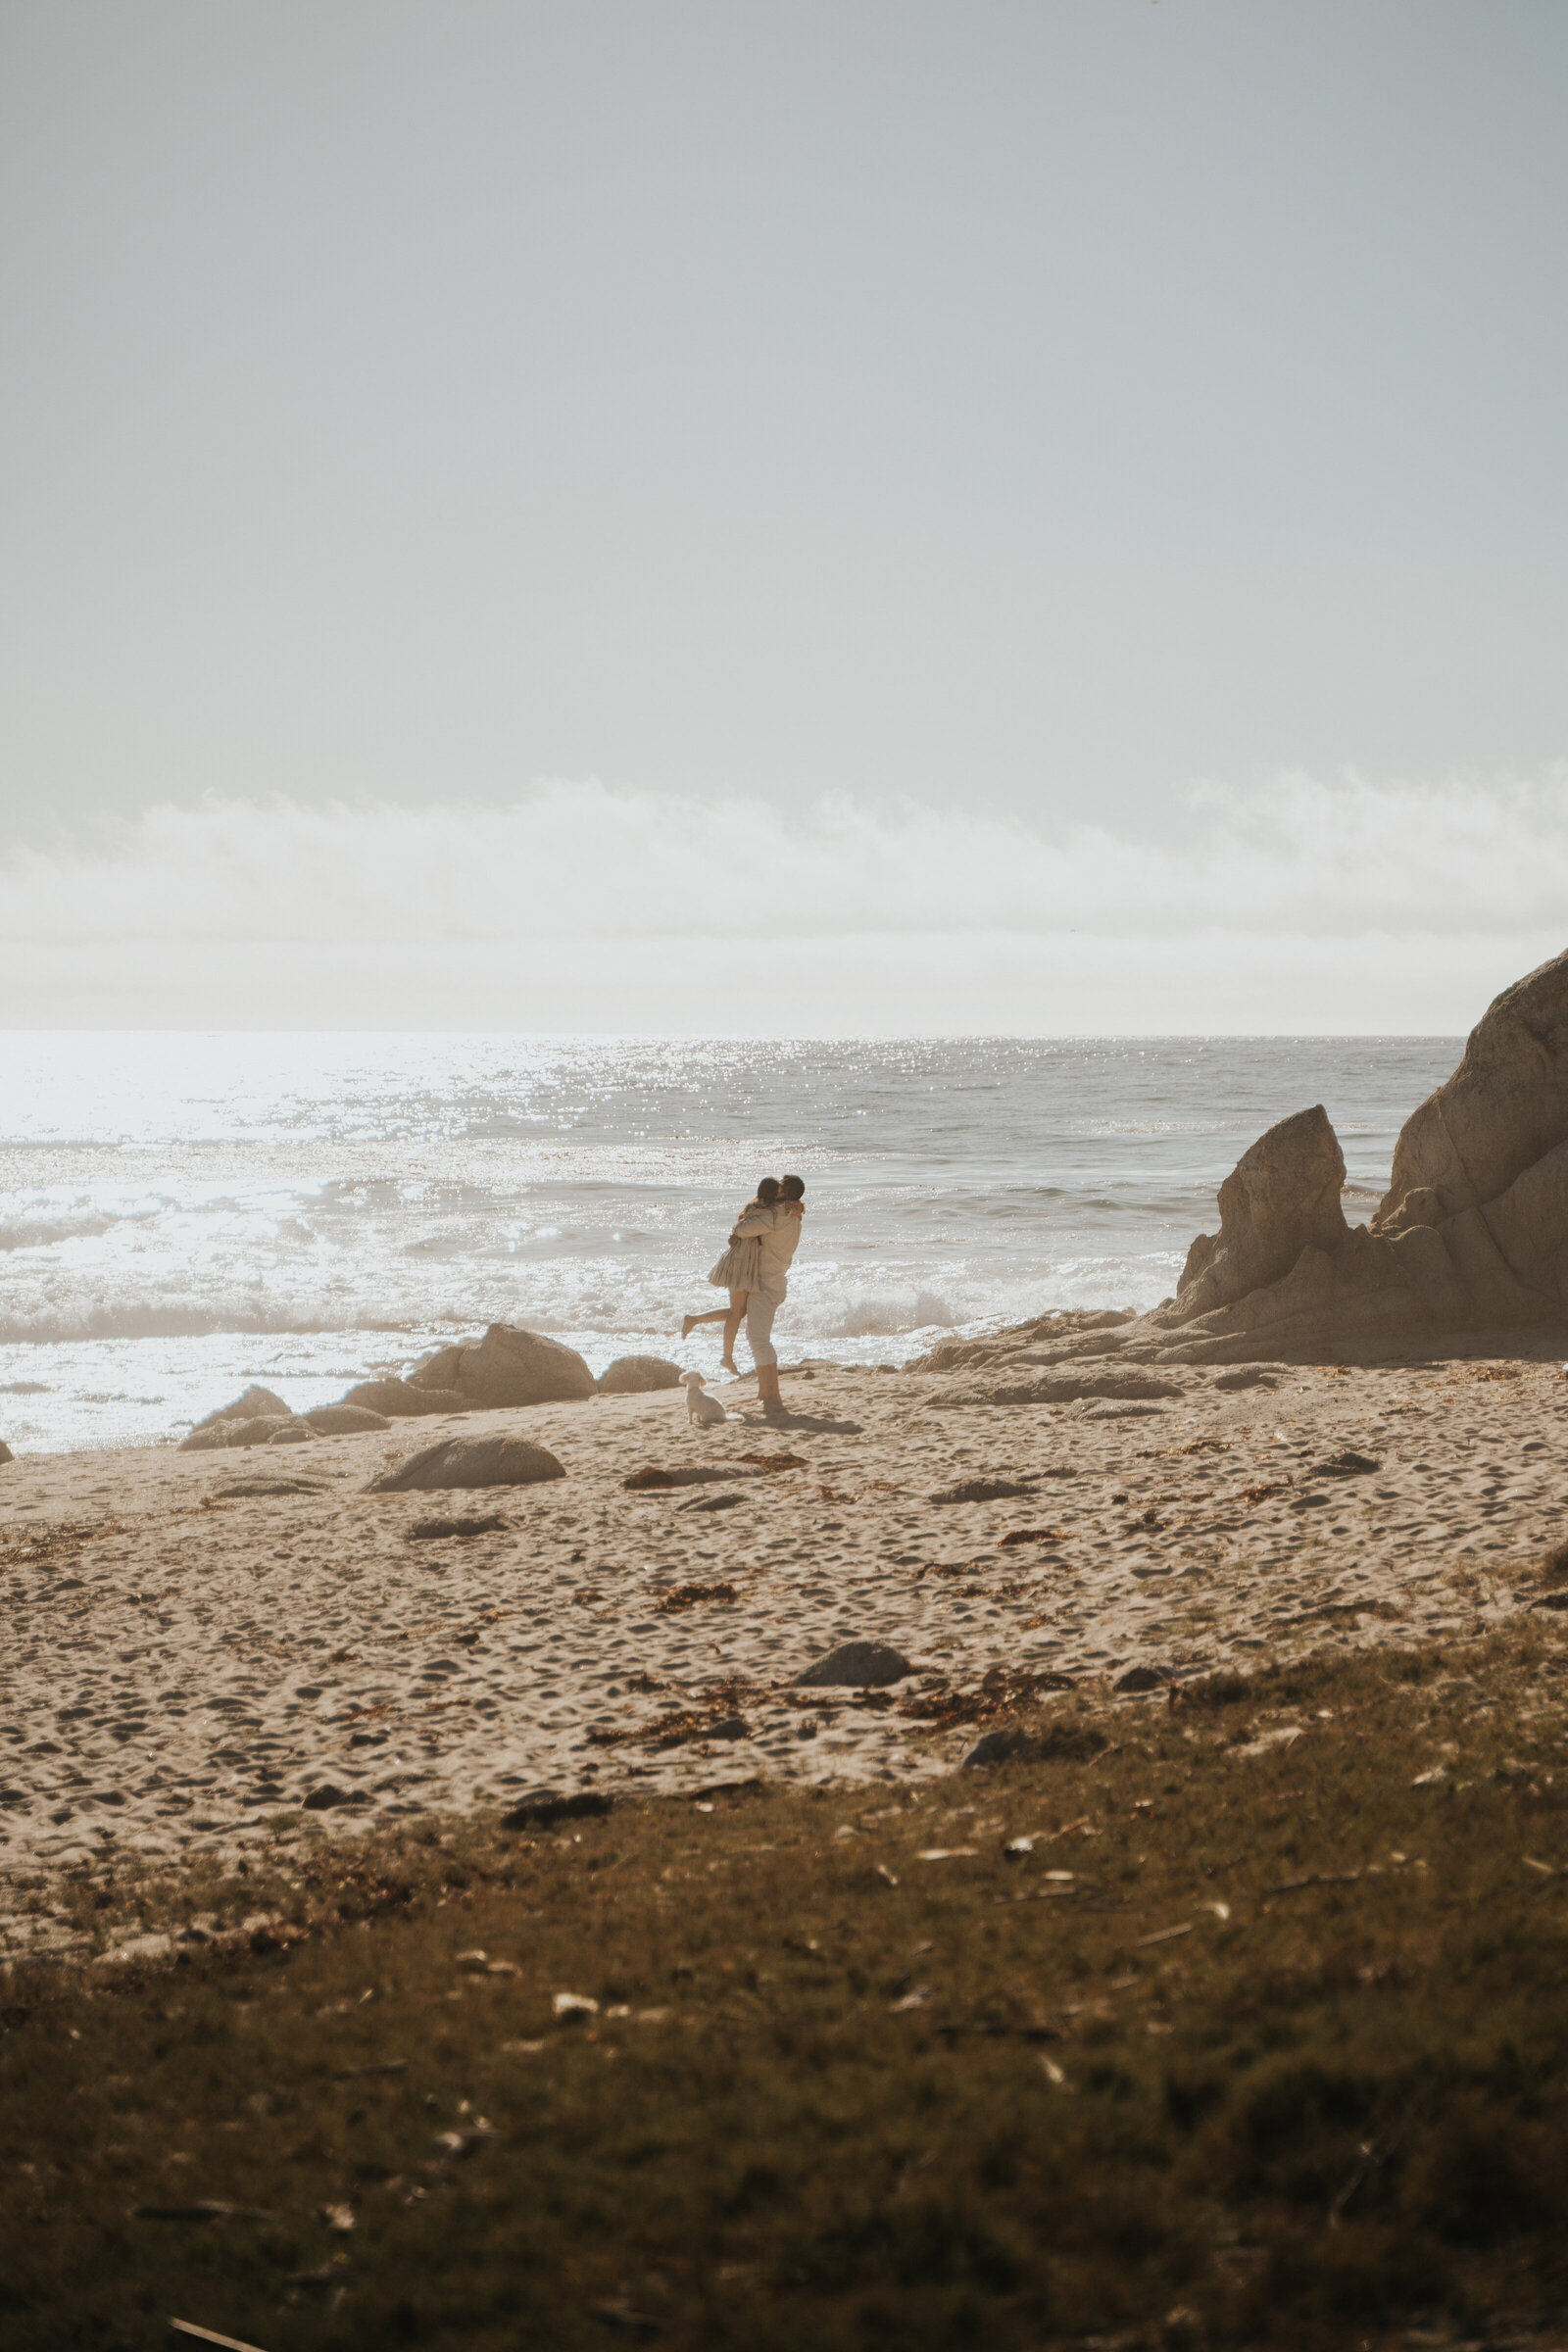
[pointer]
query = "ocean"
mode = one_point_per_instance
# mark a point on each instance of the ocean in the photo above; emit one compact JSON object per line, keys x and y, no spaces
{"x":184,"y":1212}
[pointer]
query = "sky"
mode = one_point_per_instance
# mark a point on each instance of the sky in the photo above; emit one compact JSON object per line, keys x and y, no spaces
{"x":685,"y":513}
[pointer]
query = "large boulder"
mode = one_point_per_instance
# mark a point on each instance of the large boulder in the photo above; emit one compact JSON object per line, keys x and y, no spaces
{"x":470,"y":1462}
{"x":508,"y":1367}
{"x":345,"y":1420}
{"x":1504,"y":1108}
{"x":1281,"y":1198}
{"x":257,"y":1405}
{"x":400,"y":1400}
{"x":1472,"y":1234}
{"x":636,"y":1375}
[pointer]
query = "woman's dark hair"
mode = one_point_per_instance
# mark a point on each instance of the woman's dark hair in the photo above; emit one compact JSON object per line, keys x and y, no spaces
{"x":792,"y":1187}
{"x":768,"y":1190}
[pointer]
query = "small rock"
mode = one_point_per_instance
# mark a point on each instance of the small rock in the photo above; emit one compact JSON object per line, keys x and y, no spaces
{"x":1005,"y":1746}
{"x":546,"y":1806}
{"x":651,"y":1479}
{"x":728,"y":1726}
{"x":292,"y":1432}
{"x":244,"y":1486}
{"x":345,"y":1420}
{"x":327,"y":1798}
{"x":470,"y":1462}
{"x":984,"y":1490}
{"x":856,"y":1665}
{"x":6,"y":1455}
{"x":139,"y":1948}
{"x":572,"y":2007}
{"x":636,"y":1375}
{"x":1143,"y":1678}
{"x":1251,"y":1376}
{"x":1065,"y":1743}
{"x":426,"y":1531}
{"x":1345,"y":1465}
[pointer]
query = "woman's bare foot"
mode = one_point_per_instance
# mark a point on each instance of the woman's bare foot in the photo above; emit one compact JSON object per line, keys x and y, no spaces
{"x":727,"y":1363}
{"x":687,"y":1326}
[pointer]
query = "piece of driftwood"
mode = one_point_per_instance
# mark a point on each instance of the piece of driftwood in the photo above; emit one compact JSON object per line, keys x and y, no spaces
{"x":187,"y":2332}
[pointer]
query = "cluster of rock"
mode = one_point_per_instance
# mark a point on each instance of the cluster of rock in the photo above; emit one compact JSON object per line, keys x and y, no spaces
{"x":1470,"y":1238}
{"x":509,"y":1367}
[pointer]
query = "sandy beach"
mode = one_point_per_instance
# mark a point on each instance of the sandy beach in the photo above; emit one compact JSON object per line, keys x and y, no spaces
{"x":216,"y":1653}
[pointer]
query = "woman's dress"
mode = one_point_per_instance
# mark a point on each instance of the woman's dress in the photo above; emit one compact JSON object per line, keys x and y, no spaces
{"x":740,"y":1266}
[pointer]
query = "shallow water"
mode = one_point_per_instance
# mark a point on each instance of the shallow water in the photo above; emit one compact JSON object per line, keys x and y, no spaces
{"x":182,"y":1212}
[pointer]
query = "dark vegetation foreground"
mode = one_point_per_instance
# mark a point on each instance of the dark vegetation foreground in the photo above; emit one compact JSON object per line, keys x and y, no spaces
{"x":1262,"y":2041}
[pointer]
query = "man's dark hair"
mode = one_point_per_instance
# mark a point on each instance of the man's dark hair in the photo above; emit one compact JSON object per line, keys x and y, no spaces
{"x":792,"y":1187}
{"x":768,"y":1190}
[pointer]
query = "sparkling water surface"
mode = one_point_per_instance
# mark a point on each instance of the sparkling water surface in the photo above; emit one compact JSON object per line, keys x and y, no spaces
{"x":180,"y":1213}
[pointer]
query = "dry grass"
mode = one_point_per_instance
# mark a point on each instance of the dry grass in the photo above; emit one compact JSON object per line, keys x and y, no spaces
{"x":1282,"y":2062}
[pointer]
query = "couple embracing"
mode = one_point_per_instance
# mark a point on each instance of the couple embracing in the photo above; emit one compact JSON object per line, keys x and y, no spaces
{"x":752,"y":1269}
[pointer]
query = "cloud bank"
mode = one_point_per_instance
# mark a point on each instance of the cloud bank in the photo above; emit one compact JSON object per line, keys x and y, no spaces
{"x":1311,"y":905}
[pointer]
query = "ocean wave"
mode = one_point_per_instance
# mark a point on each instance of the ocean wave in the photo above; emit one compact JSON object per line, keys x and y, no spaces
{"x":924,"y":1311}
{"x":68,"y":1326}
{"x":42,"y":1229}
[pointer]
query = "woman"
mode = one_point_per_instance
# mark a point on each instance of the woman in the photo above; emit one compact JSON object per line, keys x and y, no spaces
{"x":735,"y":1272}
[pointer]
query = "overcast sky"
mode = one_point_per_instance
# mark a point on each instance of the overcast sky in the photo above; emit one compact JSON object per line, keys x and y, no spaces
{"x":999,"y":415}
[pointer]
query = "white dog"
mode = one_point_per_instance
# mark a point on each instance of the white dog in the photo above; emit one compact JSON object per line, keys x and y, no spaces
{"x":705,"y":1411}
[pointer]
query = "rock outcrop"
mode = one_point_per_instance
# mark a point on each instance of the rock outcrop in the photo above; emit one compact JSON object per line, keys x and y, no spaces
{"x":508,"y":1367}
{"x":1281,"y":1198}
{"x":636,"y":1375}
{"x":1471,"y":1237}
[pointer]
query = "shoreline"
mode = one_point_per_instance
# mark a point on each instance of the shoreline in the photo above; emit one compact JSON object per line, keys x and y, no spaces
{"x":203,"y":1641}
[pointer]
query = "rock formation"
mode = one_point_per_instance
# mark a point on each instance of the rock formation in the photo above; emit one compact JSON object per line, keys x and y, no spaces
{"x":507,"y":1367}
{"x":1471,"y":1237}
{"x":635,"y":1375}
{"x":1281,"y":1198}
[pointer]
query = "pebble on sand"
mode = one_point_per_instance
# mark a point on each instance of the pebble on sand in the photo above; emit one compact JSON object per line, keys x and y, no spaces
{"x":856,"y":1665}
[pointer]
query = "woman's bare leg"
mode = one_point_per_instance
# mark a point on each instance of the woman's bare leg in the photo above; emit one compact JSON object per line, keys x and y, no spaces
{"x":720,"y":1314}
{"x":733,"y":1319}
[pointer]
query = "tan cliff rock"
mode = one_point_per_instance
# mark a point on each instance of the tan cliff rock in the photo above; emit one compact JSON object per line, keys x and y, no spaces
{"x":1471,"y":1236}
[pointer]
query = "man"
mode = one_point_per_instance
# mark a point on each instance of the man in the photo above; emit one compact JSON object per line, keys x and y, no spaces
{"x":778,"y":1231}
